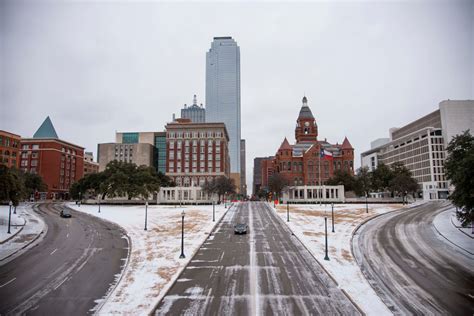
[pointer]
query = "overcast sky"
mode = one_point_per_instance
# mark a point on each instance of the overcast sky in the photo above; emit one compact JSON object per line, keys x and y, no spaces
{"x":100,"y":67}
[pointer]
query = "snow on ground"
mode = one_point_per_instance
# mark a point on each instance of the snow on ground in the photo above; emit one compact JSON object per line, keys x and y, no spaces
{"x":307,"y":223}
{"x":30,"y":227}
{"x":16,"y":222}
{"x":154,"y":261}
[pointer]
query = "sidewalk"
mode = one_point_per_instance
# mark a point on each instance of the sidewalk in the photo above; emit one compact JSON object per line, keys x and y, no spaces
{"x":445,"y":222}
{"x":32,"y":226}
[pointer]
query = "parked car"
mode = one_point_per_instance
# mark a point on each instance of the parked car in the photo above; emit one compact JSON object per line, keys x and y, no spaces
{"x":240,"y":229}
{"x":65,"y":213}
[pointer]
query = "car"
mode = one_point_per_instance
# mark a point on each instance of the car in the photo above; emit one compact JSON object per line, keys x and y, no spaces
{"x":240,"y":229}
{"x":65,"y":213}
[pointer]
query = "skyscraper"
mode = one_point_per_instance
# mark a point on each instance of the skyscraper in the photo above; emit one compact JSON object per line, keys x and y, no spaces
{"x":223,"y":94}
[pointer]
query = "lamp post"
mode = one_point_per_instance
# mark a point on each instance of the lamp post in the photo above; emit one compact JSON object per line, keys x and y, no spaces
{"x":10,"y":216}
{"x":80,"y":198}
{"x":181,"y":256}
{"x":14,"y":209}
{"x":366,"y":203}
{"x":326,"y":238}
{"x":287,"y":211}
{"x":99,"y":203}
{"x":146,"y":213}
{"x":213,"y":211}
{"x":332,"y":212}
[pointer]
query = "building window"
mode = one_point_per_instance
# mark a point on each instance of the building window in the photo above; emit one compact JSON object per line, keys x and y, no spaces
{"x":24,"y":147}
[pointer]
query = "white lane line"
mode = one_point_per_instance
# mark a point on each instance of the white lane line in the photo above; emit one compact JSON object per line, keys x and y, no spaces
{"x":53,"y":251}
{"x":8,"y":282}
{"x":254,"y":289}
{"x":67,"y":236}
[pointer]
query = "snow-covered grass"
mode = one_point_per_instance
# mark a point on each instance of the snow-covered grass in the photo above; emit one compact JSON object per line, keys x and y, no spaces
{"x":15,"y":223}
{"x":307,"y":223}
{"x":154,"y":261}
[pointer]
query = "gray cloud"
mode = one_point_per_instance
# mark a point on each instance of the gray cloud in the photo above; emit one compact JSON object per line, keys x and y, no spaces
{"x":98,"y":67}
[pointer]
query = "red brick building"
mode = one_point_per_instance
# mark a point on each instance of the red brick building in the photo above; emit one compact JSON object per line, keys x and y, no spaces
{"x":196,"y":152}
{"x":58,"y":162}
{"x":9,"y":149}
{"x":310,"y":161}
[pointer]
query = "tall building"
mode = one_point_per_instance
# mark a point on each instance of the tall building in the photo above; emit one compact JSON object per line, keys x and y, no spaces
{"x":243,"y":176}
{"x":9,"y":149}
{"x":421,"y":146}
{"x":311,"y":161}
{"x":90,"y":166}
{"x":58,"y":162}
{"x":197,"y":152}
{"x":223,"y":94}
{"x":196,"y":113}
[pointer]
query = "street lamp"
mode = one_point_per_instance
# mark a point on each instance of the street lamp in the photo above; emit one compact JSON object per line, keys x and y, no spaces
{"x":326,"y":257}
{"x":182,"y":236}
{"x":99,"y":203}
{"x":10,"y":216}
{"x":332,"y":211}
{"x":366,"y":203}
{"x":14,"y":209}
{"x":146,"y":213}
{"x":287,"y":211}
{"x":213,"y":211}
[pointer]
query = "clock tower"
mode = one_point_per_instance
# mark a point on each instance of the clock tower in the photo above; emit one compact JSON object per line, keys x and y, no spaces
{"x":306,"y":128}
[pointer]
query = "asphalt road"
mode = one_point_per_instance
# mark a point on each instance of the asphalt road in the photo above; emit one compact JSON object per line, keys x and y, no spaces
{"x":412,"y":268}
{"x":266,"y":272}
{"x":73,"y":266}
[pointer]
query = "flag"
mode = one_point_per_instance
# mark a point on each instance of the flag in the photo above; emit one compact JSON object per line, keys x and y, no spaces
{"x":325,"y":153}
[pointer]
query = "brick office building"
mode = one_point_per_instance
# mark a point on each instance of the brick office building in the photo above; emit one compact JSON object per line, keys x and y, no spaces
{"x":196,"y":152}
{"x":58,"y":162}
{"x":9,"y":149}
{"x":90,"y":166}
{"x":309,"y":161}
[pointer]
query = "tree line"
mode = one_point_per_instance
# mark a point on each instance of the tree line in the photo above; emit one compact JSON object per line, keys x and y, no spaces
{"x":16,"y":185}
{"x":121,"y":179}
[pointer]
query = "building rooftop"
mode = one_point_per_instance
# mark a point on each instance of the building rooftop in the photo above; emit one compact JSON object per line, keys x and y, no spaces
{"x":46,"y":130}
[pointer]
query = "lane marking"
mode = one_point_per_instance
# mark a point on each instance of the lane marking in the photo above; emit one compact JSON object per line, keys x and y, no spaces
{"x":254,"y":288}
{"x":53,"y":251}
{"x":8,"y":282}
{"x":67,"y":236}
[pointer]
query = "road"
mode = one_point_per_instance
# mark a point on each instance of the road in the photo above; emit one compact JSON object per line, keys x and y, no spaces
{"x":266,"y":272}
{"x":411,"y":267}
{"x":73,"y":266}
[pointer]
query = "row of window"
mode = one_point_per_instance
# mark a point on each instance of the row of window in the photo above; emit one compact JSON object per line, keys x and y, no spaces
{"x":7,"y":153}
{"x":8,"y":142}
{"x":194,"y":157}
{"x":194,"y":169}
{"x":208,"y":134}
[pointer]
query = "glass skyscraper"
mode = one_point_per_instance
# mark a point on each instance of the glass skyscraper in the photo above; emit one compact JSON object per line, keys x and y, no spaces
{"x":223,"y":92}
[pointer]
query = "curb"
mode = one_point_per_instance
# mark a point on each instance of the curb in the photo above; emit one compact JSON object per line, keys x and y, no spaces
{"x":447,"y":237}
{"x":319,"y":263}
{"x":462,"y":231}
{"x":192,"y":256}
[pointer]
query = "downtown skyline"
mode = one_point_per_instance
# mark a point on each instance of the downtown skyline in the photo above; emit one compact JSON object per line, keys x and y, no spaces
{"x":104,"y":76}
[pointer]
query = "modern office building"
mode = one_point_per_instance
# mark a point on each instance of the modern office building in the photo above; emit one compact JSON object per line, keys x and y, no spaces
{"x":9,"y":149}
{"x":243,"y":176}
{"x":197,"y":152}
{"x":223,"y":94}
{"x":196,"y":113}
{"x":90,"y":166}
{"x":421,"y":146}
{"x":58,"y":162}
{"x":140,"y":148}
